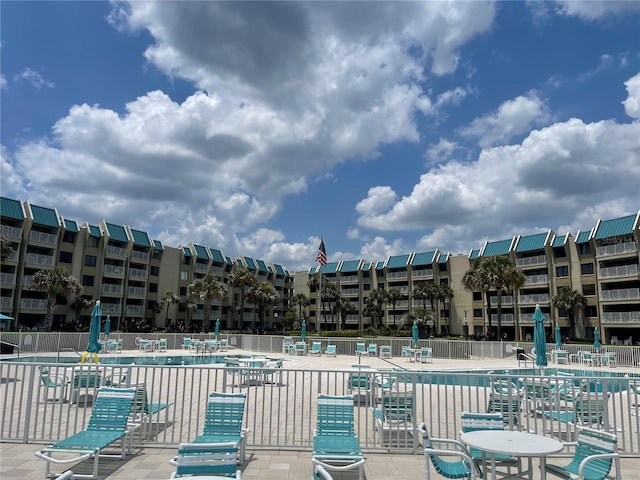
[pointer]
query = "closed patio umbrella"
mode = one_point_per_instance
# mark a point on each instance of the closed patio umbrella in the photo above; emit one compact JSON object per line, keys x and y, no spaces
{"x":216,"y":332}
{"x":5,"y":317}
{"x":539,"y":338}
{"x":558,"y":337}
{"x":303,"y":332}
{"x":107,"y":326}
{"x":415,"y":334}
{"x":596,"y":338}
{"x":93,"y":346}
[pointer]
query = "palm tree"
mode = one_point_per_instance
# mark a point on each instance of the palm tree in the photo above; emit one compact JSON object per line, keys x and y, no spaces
{"x":242,"y":278}
{"x":477,"y":278}
{"x":344,"y":307}
{"x":263,"y":295}
{"x":54,"y":283}
{"x":504,"y":277}
{"x":301,"y":301}
{"x":205,"y":290}
{"x":167,"y":299}
{"x":393,"y":295}
{"x":445,"y":293}
{"x":572,"y":302}
{"x":374,"y":306}
{"x":331,"y":295}
{"x":80,"y":302}
{"x":6,"y":249}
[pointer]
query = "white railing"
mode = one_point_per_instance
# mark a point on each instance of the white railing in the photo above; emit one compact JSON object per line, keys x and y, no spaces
{"x":139,"y":255}
{"x":202,"y":267}
{"x":137,"y":291}
{"x":114,"y":251}
{"x":621,"y":317}
{"x":422,"y":273}
{"x":506,"y":300}
{"x":33,"y":304}
{"x":111,"y":308}
{"x":621,"y":271}
{"x":217,"y":270}
{"x":135,"y":310}
{"x":8,"y":278}
{"x":350,"y":291}
{"x":528,"y":261}
{"x":536,"y":279}
{"x":42,"y":237}
{"x":620,"y":294}
{"x":39,"y":259}
{"x":10,"y":232}
{"x":112,"y":289}
{"x":114,"y":269}
{"x":528,"y":318}
{"x":533,"y":299}
{"x":26,"y":281}
{"x":616,"y":249}
{"x":506,"y":319}
{"x":396,"y":275}
{"x":6,"y":302}
{"x":137,"y":273}
{"x":348,"y":278}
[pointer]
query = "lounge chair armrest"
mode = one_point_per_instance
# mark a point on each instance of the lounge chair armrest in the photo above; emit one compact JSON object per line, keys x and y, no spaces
{"x":79,"y":458}
{"x":599,"y":456}
{"x":338,"y":468}
{"x":451,"y":453}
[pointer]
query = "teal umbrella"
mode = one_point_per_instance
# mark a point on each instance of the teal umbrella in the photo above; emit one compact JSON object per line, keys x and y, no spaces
{"x":5,"y":317}
{"x":596,"y":338}
{"x":415,"y":334}
{"x":539,"y":338}
{"x":558,"y":337}
{"x":107,"y":326}
{"x":303,"y":333}
{"x":94,"y":329}
{"x":216,"y":332}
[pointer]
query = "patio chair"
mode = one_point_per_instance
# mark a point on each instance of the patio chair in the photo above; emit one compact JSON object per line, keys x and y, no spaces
{"x":300,"y":348}
{"x":425,"y":355}
{"x":385,"y":351}
{"x":540,"y":396}
{"x":595,"y":453}
{"x":508,"y":406}
{"x":330,"y":351}
{"x":232,"y":369}
{"x":360,"y":383}
{"x":206,"y":460}
{"x":406,"y":352}
{"x":319,"y":472}
{"x":335,"y":445}
{"x":561,"y":356}
{"x":162,"y":345}
{"x":223,"y":421}
{"x":461,"y":467}
{"x":394,"y":419}
{"x":586,"y":358}
{"x":144,"y":345}
{"x":84,"y":385}
{"x":590,"y":409}
{"x":361,"y":349}
{"x":273,"y":372}
{"x":288,"y":346}
{"x":224,"y":345}
{"x":54,"y":383}
{"x":316,"y":348}
{"x":472,"y":421}
{"x":609,"y":359}
{"x":143,"y":410}
{"x":107,"y":425}
{"x":372,"y":349}
{"x":187,"y":343}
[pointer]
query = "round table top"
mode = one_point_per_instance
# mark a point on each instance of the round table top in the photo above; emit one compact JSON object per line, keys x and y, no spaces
{"x":521,"y":444}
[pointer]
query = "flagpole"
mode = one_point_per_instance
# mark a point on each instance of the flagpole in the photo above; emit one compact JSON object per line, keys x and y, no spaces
{"x":319,"y":296}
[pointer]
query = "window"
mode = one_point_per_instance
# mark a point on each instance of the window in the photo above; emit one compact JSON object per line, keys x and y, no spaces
{"x":366,"y":286}
{"x":183,"y":291}
{"x":559,"y":252}
{"x":90,"y":260}
{"x":584,"y":248}
{"x":186,"y":260}
{"x":153,"y":287}
{"x":93,"y":241}
{"x":477,"y":313}
{"x":590,"y":311}
{"x":154,"y":270}
{"x":65,"y":257}
{"x":477,"y":296}
{"x":562,"y":271}
{"x":184,"y":275}
{"x":586,"y":268}
{"x":589,"y":289}
{"x":444,"y":281}
{"x":156,"y":254}
{"x":442,"y":267}
{"x":69,"y":237}
{"x":87,"y":280}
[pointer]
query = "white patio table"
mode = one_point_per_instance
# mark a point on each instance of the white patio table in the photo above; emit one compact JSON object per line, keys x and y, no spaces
{"x":517,"y":444}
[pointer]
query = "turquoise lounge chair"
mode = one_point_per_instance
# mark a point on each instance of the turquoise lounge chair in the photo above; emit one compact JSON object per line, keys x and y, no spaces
{"x":361,"y":349}
{"x":55,"y":383}
{"x":316,"y":348}
{"x":395,"y":419}
{"x":206,"y":460}
{"x":223,"y":420}
{"x":143,"y":410}
{"x":335,"y":445}
{"x":330,"y":351}
{"x":461,"y":467}
{"x":107,"y":425}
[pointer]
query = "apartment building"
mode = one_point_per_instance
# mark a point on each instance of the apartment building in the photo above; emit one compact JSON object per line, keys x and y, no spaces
{"x":127,"y":270}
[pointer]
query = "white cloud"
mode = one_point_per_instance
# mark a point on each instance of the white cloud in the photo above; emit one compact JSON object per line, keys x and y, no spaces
{"x":632,"y":103}
{"x":378,"y":198}
{"x":3,"y":82}
{"x":512,"y":118}
{"x":596,"y":9}
{"x":34,"y":79}
{"x":441,"y":152}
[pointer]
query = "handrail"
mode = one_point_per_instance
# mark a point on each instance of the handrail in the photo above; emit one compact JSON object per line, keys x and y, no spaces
{"x":11,"y":345}
{"x":68,"y":349}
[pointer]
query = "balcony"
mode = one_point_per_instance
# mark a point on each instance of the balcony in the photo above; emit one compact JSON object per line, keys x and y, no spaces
{"x":111,"y":308}
{"x":352,"y":319}
{"x":620,"y":295}
{"x":6,"y":303}
{"x":506,"y":319}
{"x":39,"y":259}
{"x":531,"y":261}
{"x":42,"y":237}
{"x":422,"y":274}
{"x":7,"y":278}
{"x":506,"y":300}
{"x":351,"y":292}
{"x":348,"y":278}
{"x":11,"y":232}
{"x":202,"y":267}
{"x":114,"y":270}
{"x":528,"y":318}
{"x":618,"y":272}
{"x":135,"y":310}
{"x":137,"y":273}
{"x":136,"y":292}
{"x":139,"y":255}
{"x":536,"y":279}
{"x":112,"y":289}
{"x":621,"y":317}
{"x":279,"y":282}
{"x":533,"y":299}
{"x":118,"y":252}
{"x":26,"y":281}
{"x":400,"y":304}
{"x":33,"y":304}
{"x":397,"y":275}
{"x":616,"y":249}
{"x":219,"y":271}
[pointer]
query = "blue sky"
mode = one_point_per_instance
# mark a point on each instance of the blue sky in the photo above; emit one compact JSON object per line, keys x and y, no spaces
{"x":385,"y":127}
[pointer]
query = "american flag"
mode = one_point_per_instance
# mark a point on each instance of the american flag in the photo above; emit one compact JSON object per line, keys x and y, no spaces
{"x":321,"y":258}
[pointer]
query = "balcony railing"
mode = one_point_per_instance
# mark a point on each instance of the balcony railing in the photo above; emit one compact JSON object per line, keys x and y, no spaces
{"x":111,"y":308}
{"x":10,"y":232}
{"x":533,"y":299}
{"x":396,"y":275}
{"x":506,"y":300}
{"x":422,"y":273}
{"x":506,"y":319}
{"x":39,"y":259}
{"x":279,"y":282}
{"x":217,"y":271}
{"x":135,"y":310}
{"x":616,"y":249}
{"x":137,"y":273}
{"x":26,"y":281}
{"x":542,"y":279}
{"x":114,"y":251}
{"x":621,"y":294}
{"x":348,"y":278}
{"x":33,"y":304}
{"x":350,"y":291}
{"x":621,"y":317}
{"x":6,"y":302}
{"x":136,"y":291}
{"x":528,"y":318}
{"x":621,"y":271}
{"x":42,"y":237}
{"x":114,"y":270}
{"x":139,"y":255}
{"x":7,"y":278}
{"x":529,"y":261}
{"x":112,"y":289}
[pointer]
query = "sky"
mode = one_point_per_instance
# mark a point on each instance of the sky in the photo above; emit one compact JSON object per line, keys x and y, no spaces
{"x":385,"y":128}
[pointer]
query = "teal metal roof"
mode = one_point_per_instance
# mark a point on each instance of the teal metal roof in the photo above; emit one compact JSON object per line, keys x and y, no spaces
{"x":216,"y":255}
{"x":366,"y":266}
{"x":474,"y":254}
{"x":187,"y":252}
{"x":583,"y":237}
{"x":117,"y":232}
{"x":398,"y":261}
{"x":157,"y":244}
{"x":272,"y":270}
{"x":560,"y":240}
{"x":250,"y":263}
{"x":331,"y":267}
{"x":262,"y":267}
{"x":350,"y":266}
{"x":443,"y":258}
{"x":95,"y":231}
{"x":279,"y":269}
{"x":201,"y":252}
{"x":532,"y":242}
{"x":500,"y":247}
{"x":425,"y":258}
{"x":140,"y":238}
{"x":71,"y":225}
{"x":379,"y":265}
{"x":45,"y":216}
{"x":615,"y":227}
{"x":228,"y":260}
{"x":11,"y":209}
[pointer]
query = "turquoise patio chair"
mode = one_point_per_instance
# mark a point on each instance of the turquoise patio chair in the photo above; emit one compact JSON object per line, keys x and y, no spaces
{"x":461,"y":467}
{"x":360,"y":383}
{"x":425,"y":355}
{"x":107,"y":425}
{"x":595,"y":453}
{"x":385,"y":351}
{"x":300,"y":348}
{"x":508,"y":405}
{"x":85,"y":385}
{"x":335,"y":444}
{"x":224,"y":419}
{"x":206,"y":460}
{"x":330,"y":351}
{"x":361,"y":349}
{"x":589,"y":409}
{"x":144,"y":410}
{"x":372,"y":349}
{"x":316,"y":348}
{"x":319,"y":472}
{"x":224,"y":345}
{"x":54,"y":383}
{"x":395,"y":419}
{"x":288,"y":345}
